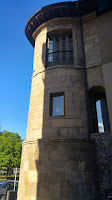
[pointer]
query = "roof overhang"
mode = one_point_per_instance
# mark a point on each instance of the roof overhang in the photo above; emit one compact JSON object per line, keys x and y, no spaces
{"x":58,"y":10}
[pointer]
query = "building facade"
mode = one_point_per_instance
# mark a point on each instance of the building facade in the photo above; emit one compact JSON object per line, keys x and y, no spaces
{"x":67,"y":152}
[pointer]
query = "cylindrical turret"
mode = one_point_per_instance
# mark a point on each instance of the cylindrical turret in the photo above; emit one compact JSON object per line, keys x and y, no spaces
{"x":57,"y":103}
{"x":56,"y":155}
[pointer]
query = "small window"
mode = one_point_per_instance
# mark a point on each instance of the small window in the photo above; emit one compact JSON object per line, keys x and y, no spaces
{"x":57,"y":104}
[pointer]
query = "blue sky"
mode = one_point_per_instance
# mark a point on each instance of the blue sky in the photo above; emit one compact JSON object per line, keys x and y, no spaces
{"x":99,"y":117}
{"x":16,"y":63}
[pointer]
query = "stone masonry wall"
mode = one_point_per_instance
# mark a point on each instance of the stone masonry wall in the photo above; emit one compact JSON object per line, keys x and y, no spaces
{"x":103,"y":162}
{"x":61,"y":169}
{"x":57,"y":159}
{"x":92,"y":52}
{"x":62,"y":78}
{"x":74,"y":124}
{"x":91,"y":41}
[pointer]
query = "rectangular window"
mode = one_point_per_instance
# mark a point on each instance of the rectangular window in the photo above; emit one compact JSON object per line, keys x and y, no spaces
{"x":57,"y":102}
{"x":59,"y":50}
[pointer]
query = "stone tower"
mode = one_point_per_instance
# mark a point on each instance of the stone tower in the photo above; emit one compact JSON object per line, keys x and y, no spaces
{"x":58,"y":156}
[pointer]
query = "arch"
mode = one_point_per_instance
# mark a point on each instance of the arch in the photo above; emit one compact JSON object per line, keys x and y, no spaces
{"x":98,"y":110}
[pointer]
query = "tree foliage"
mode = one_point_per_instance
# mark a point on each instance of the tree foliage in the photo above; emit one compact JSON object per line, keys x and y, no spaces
{"x":10,"y":150}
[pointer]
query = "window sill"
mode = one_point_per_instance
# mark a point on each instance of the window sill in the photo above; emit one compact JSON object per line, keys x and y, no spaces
{"x":57,"y":117}
{"x":98,"y":134}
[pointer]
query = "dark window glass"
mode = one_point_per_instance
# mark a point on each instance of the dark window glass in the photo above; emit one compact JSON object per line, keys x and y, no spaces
{"x":64,"y":56}
{"x":57,"y":48}
{"x":70,"y":48}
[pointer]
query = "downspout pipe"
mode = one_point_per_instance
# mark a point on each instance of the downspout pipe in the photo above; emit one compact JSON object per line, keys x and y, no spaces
{"x":84,"y":70}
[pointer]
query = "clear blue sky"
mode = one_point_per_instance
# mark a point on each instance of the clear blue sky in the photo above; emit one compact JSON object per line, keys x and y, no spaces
{"x":16,"y":63}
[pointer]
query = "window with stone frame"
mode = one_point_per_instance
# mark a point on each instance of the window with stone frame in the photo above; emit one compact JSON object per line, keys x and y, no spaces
{"x":57,"y":104}
{"x":98,"y":110}
{"x":59,"y":49}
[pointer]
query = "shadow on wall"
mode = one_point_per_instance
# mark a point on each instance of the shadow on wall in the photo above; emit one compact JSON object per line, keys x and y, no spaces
{"x":66,"y":170}
{"x":65,"y":165}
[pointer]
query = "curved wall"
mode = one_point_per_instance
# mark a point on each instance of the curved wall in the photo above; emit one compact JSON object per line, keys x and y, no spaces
{"x":57,"y":157}
{"x":60,"y":78}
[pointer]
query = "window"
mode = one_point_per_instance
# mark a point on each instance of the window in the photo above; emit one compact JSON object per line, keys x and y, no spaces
{"x":98,"y":110}
{"x":59,"y":50}
{"x":57,"y":102}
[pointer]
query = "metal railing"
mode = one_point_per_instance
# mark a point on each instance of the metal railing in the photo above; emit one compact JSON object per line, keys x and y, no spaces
{"x":59,"y":58}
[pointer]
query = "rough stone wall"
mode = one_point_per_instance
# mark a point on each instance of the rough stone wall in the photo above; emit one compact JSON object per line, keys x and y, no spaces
{"x":95,"y":78}
{"x":57,"y":170}
{"x":60,"y":166}
{"x":68,"y":79}
{"x":103,"y":162}
{"x":91,"y":41}
{"x":55,"y":164}
{"x":92,"y":52}
{"x":74,"y":123}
